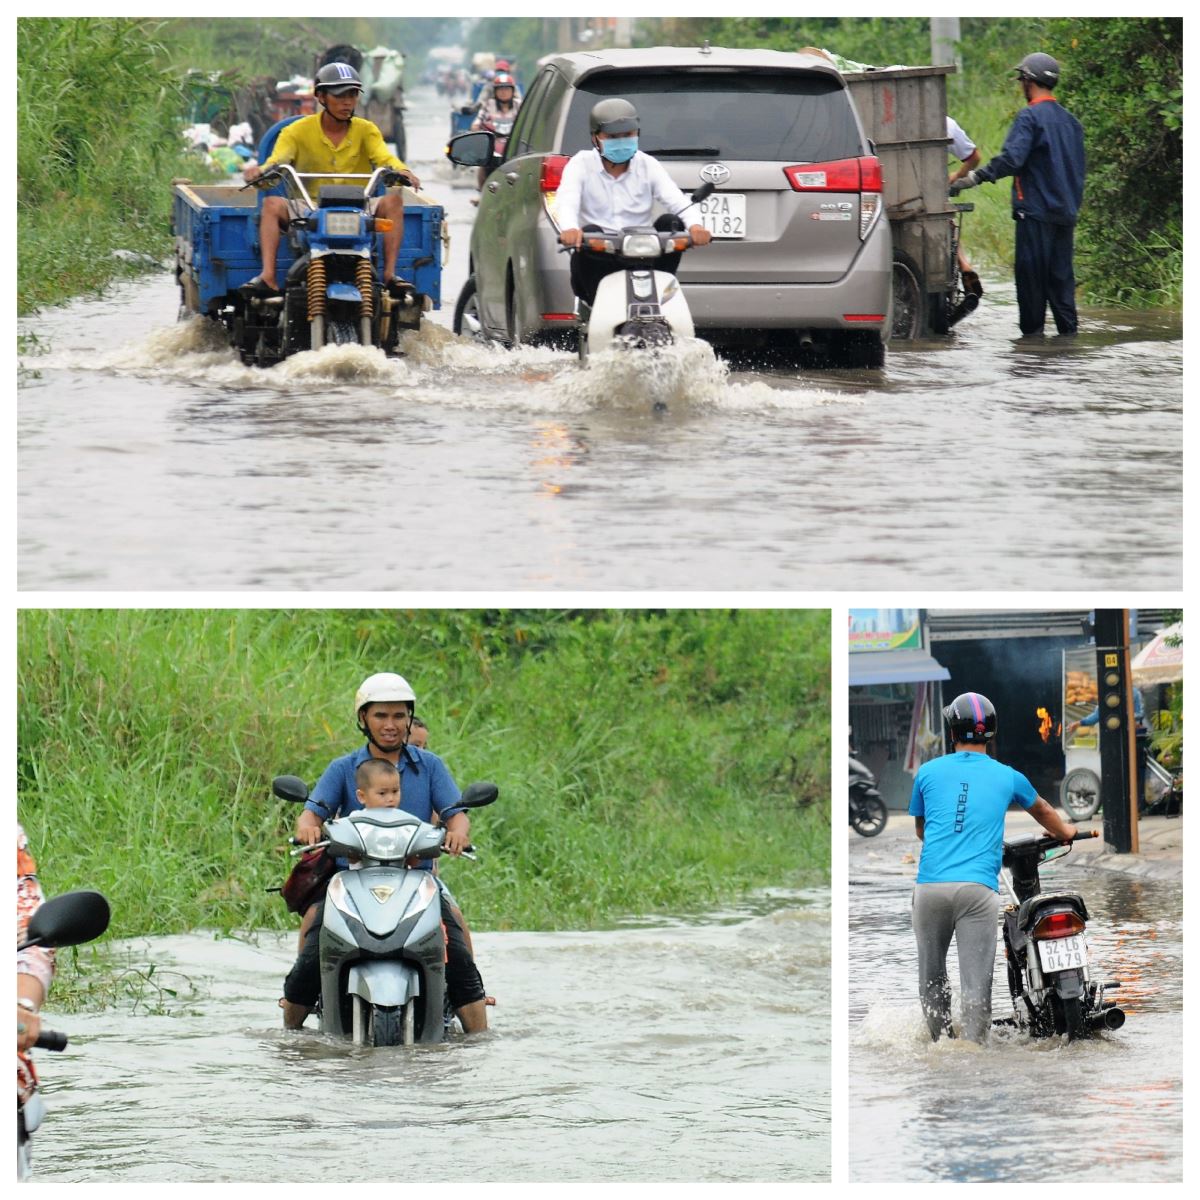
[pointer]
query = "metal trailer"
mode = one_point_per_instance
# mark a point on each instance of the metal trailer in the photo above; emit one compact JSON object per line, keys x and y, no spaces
{"x":903,"y":111}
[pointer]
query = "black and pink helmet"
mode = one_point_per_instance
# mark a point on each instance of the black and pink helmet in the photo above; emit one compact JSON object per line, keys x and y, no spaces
{"x":971,"y":718}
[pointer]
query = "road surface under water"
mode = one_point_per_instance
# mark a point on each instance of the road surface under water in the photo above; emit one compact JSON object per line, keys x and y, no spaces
{"x":685,"y":1051}
{"x":1016,"y":1110}
{"x":150,"y":458}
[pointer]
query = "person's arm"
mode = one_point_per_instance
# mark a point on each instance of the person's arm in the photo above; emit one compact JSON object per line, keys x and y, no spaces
{"x":284,"y":151}
{"x":1046,"y":815}
{"x":968,"y":164}
{"x":458,"y":833}
{"x":567,"y":203}
{"x":919,"y":826}
{"x":308,"y":827}
{"x":379,"y":155}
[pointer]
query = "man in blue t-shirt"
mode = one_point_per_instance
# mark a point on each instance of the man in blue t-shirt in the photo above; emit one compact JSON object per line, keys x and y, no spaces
{"x":959,"y":803}
{"x":384,"y":706}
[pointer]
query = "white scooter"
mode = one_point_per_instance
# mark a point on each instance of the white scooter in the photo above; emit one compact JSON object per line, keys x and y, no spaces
{"x":637,"y":308}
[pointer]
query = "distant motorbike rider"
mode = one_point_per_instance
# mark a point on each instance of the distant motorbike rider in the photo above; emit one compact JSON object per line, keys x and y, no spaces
{"x":1043,"y":152}
{"x":497,"y":108}
{"x":327,"y":142}
{"x":615,"y":185}
{"x":384,"y":705}
{"x":959,"y":803}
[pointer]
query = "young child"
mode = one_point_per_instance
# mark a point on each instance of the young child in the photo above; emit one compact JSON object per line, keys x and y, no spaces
{"x":377,"y":783}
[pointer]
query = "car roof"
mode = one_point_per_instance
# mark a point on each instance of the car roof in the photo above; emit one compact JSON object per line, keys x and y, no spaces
{"x":668,"y":59}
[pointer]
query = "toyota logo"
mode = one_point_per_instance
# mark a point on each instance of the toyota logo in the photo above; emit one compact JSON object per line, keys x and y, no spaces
{"x":716,"y":173}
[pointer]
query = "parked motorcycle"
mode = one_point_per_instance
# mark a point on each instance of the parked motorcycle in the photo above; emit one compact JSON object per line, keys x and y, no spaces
{"x":67,"y":920}
{"x":382,"y":945}
{"x":868,"y":812}
{"x":637,"y":308}
{"x":1049,"y":974}
{"x":333,"y":293}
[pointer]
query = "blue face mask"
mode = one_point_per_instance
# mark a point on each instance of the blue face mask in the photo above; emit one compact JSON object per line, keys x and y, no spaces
{"x":619,"y":150}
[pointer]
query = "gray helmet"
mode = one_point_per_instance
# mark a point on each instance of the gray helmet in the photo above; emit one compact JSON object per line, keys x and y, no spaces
{"x":613,"y":116}
{"x":337,"y":78}
{"x":1040,"y":69}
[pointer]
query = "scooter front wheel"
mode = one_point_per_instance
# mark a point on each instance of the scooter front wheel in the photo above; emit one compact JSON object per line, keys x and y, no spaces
{"x":385,"y":1026}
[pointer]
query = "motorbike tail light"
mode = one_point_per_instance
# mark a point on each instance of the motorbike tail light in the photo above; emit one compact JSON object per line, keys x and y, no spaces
{"x":552,"y":169}
{"x":1058,"y":925}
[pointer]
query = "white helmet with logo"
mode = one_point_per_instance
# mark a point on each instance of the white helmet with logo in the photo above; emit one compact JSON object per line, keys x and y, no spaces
{"x":383,"y":688}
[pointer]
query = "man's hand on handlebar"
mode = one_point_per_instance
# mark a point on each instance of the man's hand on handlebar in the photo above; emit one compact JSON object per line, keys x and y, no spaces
{"x":405,"y":176}
{"x":571,"y":238}
{"x":700,"y":235}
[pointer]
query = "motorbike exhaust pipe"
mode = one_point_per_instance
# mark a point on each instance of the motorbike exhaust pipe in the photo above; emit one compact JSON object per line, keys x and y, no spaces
{"x":1107,"y":1018}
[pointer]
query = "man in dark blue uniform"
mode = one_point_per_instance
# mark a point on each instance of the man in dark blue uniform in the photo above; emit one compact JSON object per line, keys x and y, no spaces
{"x":1044,"y":154}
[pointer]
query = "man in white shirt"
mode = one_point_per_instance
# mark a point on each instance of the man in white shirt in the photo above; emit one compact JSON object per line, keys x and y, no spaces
{"x":613,"y":186}
{"x":968,"y":156}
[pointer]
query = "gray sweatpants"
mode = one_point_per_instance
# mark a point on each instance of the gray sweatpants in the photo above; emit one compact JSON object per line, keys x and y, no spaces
{"x":967,"y":912}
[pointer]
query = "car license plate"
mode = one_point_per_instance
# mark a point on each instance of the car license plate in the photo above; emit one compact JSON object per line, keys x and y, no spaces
{"x":1061,"y":954}
{"x":723,"y":214}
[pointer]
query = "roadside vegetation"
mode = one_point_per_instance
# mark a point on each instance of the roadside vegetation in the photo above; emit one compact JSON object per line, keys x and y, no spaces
{"x":648,"y":762}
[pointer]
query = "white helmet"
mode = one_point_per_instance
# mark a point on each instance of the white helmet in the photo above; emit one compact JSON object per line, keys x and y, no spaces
{"x":383,"y":688}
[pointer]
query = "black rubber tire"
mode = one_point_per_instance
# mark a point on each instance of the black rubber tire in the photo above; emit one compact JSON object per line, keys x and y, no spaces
{"x":387,"y":1026}
{"x":1068,"y":1016}
{"x":341,"y":333}
{"x":466,"y":312}
{"x":908,"y":298}
{"x":871,"y":823}
{"x":1080,"y":793}
{"x":512,"y":318}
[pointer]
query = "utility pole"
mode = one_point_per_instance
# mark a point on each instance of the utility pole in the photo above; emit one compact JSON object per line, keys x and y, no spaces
{"x":1118,"y":747}
{"x":944,"y":36}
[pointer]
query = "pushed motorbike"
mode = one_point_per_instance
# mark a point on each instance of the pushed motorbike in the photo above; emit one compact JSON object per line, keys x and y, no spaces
{"x":1049,"y":973}
{"x":68,"y":920}
{"x":333,"y":293}
{"x":868,"y":812}
{"x":637,"y":308}
{"x":382,"y":945}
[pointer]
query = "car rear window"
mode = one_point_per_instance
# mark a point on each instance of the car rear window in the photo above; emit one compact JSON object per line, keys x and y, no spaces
{"x":790,"y":117}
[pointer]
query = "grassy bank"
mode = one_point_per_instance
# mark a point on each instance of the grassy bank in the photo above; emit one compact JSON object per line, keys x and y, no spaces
{"x":647,"y":761}
{"x":98,"y":143}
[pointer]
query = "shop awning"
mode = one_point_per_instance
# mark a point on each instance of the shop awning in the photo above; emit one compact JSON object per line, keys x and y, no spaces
{"x":895,"y":666}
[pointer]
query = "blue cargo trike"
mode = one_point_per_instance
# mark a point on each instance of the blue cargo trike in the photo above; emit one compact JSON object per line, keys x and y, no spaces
{"x":329,"y":264}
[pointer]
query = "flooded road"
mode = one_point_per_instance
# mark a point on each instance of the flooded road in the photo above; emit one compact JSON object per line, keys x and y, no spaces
{"x":149,"y":458}
{"x":681,"y":1051}
{"x":1016,"y":1110}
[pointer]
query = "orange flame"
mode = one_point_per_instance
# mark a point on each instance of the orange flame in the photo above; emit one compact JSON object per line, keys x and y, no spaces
{"x":1046,"y":725}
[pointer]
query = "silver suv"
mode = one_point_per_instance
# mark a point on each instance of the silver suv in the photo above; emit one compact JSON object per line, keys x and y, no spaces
{"x":802,"y":251}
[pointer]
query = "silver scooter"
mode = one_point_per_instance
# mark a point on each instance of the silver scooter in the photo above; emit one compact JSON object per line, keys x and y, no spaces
{"x":382,"y":945}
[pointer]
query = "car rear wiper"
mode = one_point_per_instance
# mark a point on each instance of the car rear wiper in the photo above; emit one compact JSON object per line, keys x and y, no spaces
{"x":699,"y":151}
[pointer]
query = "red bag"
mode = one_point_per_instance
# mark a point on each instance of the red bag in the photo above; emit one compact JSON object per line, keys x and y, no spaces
{"x":308,"y":880}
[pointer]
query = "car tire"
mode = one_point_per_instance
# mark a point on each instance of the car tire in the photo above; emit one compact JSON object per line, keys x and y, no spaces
{"x":466,"y":312}
{"x":512,"y":314}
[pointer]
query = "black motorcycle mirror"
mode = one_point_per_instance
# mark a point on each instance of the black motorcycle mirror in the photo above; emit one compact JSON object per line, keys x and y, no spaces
{"x":472,"y":149}
{"x":290,"y":787}
{"x":703,"y":192}
{"x":68,"y":920}
{"x":477,"y":795}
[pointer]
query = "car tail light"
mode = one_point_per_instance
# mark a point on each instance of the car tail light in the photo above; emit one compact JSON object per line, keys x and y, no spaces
{"x":863,"y":175}
{"x":558,"y":316}
{"x":552,"y":169}
{"x":1058,"y":925}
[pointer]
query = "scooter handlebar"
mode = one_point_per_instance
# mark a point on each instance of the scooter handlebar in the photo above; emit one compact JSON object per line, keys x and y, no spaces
{"x":51,"y":1039}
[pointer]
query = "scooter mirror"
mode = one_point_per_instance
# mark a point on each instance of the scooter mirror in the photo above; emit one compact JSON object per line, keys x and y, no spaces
{"x":471,"y":149}
{"x":477,"y":795}
{"x":290,"y":787}
{"x":68,"y":920}
{"x":703,"y":192}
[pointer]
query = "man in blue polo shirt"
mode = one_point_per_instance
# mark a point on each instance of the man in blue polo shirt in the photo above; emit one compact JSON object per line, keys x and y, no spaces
{"x":384,"y":706}
{"x":959,"y":802}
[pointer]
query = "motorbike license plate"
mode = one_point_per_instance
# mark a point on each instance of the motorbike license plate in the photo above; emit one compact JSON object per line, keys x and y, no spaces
{"x":1061,"y":954}
{"x":723,"y":214}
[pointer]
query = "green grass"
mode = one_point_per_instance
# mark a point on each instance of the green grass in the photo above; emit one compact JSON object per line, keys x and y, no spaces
{"x":648,"y":762}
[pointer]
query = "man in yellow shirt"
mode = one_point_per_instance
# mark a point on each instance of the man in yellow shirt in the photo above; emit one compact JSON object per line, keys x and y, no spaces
{"x":332,"y":140}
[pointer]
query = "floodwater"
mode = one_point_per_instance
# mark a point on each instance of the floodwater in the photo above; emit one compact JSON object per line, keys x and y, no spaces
{"x":666,"y":1052}
{"x":149,"y":458}
{"x":1016,"y":1110}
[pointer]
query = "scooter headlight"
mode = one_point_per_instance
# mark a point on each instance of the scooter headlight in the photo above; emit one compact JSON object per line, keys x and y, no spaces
{"x":641,"y":245}
{"x":343,"y":224}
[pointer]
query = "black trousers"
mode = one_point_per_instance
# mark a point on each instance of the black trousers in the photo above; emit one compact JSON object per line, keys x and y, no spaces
{"x":1045,"y":274}
{"x":588,"y":268}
